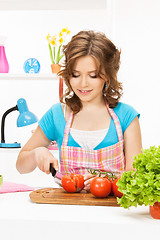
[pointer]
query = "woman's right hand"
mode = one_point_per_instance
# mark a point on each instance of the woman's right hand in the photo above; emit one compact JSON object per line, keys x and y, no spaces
{"x":35,"y":153}
{"x":44,"y":158}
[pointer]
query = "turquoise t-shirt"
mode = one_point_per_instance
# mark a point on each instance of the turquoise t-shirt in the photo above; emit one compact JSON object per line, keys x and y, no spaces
{"x":53,"y":124}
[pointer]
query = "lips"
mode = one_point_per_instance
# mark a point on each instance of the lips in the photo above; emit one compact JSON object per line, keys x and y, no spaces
{"x":84,"y":92}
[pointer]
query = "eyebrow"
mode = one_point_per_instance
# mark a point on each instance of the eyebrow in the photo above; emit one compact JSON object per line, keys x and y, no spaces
{"x":88,"y":71}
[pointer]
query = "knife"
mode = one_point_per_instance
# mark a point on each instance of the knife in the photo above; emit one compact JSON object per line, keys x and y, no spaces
{"x":57,"y":175}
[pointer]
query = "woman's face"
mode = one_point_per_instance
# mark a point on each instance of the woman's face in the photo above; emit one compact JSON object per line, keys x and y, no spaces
{"x":84,"y":81}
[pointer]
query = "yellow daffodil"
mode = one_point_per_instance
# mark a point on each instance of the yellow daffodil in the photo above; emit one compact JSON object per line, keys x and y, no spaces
{"x":54,"y":37}
{"x":68,"y":32}
{"x":55,"y":45}
{"x":60,"y":34}
{"x":48,"y":36}
{"x":64,"y":30}
{"x":53,"y":42}
{"x":61,"y":40}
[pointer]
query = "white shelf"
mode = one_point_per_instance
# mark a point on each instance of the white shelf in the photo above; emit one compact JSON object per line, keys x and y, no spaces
{"x":8,"y":76}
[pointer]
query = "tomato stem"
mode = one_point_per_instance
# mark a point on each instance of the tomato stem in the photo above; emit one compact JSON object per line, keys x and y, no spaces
{"x":98,"y":172}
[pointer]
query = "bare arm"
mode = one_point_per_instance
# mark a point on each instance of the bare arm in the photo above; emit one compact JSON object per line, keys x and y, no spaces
{"x":35,"y":153}
{"x":132,"y":143}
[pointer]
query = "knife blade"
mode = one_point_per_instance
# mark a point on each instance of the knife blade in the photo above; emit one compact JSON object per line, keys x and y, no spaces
{"x":57,"y":175}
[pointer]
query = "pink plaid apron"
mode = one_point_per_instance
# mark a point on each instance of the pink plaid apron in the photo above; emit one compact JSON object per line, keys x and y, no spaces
{"x":79,"y":160}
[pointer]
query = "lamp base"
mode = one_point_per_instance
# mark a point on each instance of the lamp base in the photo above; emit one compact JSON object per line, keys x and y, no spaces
{"x":10,"y":145}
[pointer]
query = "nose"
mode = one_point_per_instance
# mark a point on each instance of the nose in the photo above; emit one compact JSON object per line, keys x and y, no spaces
{"x":84,"y":81}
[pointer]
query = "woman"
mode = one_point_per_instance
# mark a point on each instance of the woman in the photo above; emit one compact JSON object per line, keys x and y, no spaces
{"x":92,"y":128}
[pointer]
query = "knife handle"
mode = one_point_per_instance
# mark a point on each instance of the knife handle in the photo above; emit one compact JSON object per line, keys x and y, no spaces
{"x":52,"y":170}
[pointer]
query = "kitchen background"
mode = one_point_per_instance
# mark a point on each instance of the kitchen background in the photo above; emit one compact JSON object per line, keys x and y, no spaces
{"x":132,"y":25}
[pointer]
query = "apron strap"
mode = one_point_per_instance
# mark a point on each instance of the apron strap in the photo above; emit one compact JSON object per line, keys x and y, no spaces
{"x":67,"y":129}
{"x":116,"y":122}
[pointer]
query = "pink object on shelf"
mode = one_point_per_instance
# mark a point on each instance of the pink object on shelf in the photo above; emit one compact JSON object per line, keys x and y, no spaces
{"x":53,"y":146}
{"x":10,"y":187}
{"x":4,"y":66}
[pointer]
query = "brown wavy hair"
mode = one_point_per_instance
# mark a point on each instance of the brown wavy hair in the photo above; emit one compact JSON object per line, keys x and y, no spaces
{"x":107,"y":58}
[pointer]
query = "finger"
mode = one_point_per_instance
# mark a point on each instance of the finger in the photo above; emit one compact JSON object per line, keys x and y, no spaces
{"x":47,"y":167}
{"x":41,"y":167}
{"x":88,"y":176}
{"x":87,"y":188}
{"x":88,"y":182}
{"x":47,"y":163}
{"x":55,"y":163}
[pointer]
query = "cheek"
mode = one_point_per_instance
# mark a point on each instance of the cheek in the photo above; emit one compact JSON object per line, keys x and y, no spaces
{"x":100,"y":85}
{"x":73,"y":83}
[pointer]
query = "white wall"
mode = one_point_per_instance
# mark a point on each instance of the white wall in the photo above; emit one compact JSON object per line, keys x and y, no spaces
{"x":26,"y":32}
{"x":132,"y":25}
{"x":137,"y":32}
{"x":39,"y":94}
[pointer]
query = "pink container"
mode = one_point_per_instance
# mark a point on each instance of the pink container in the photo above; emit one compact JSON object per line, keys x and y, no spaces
{"x":4,"y":66}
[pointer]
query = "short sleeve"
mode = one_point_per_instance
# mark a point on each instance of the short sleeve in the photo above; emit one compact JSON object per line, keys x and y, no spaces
{"x":126,"y":115}
{"x":46,"y":123}
{"x":129,"y":117}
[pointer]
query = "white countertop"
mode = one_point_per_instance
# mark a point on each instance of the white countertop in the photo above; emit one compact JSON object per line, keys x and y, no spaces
{"x":20,"y":218}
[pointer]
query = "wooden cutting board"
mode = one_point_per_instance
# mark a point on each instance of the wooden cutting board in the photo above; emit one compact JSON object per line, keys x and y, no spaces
{"x":59,"y":196}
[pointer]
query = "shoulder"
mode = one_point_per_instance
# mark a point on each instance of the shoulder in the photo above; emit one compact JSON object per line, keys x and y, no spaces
{"x":123,"y":108}
{"x":50,"y":120}
{"x":53,"y":111}
{"x":126,"y":114}
{"x":56,"y":108}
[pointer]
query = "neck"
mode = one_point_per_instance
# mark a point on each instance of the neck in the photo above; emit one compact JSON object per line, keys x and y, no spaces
{"x":93,"y":104}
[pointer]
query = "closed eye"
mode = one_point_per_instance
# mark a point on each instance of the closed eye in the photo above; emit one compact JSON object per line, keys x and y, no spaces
{"x":75,"y":76}
{"x":93,"y":76}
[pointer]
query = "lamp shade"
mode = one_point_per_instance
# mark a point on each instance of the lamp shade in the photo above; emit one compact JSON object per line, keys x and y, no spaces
{"x":25,"y":116}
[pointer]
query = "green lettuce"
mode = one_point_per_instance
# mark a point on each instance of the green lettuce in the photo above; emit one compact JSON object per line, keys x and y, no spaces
{"x":142,"y":185}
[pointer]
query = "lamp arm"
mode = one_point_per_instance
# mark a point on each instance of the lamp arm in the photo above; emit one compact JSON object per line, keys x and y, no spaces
{"x":3,"y":121}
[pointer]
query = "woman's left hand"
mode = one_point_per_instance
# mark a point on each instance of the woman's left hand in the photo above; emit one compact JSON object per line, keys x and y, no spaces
{"x":87,"y":181}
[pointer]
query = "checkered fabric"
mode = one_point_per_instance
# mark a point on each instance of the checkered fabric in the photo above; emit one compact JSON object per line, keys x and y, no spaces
{"x":79,"y":160}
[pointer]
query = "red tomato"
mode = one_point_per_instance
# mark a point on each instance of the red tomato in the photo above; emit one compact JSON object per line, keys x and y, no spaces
{"x":100,"y":187}
{"x":111,"y":193}
{"x":73,"y":183}
{"x":115,"y":188}
{"x":111,"y":181}
{"x":155,"y":210}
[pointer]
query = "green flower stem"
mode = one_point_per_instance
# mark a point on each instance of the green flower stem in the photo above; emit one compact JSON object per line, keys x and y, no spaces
{"x":58,"y":54}
{"x":54,"y":53}
{"x":61,"y":57}
{"x":51,"y":55}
